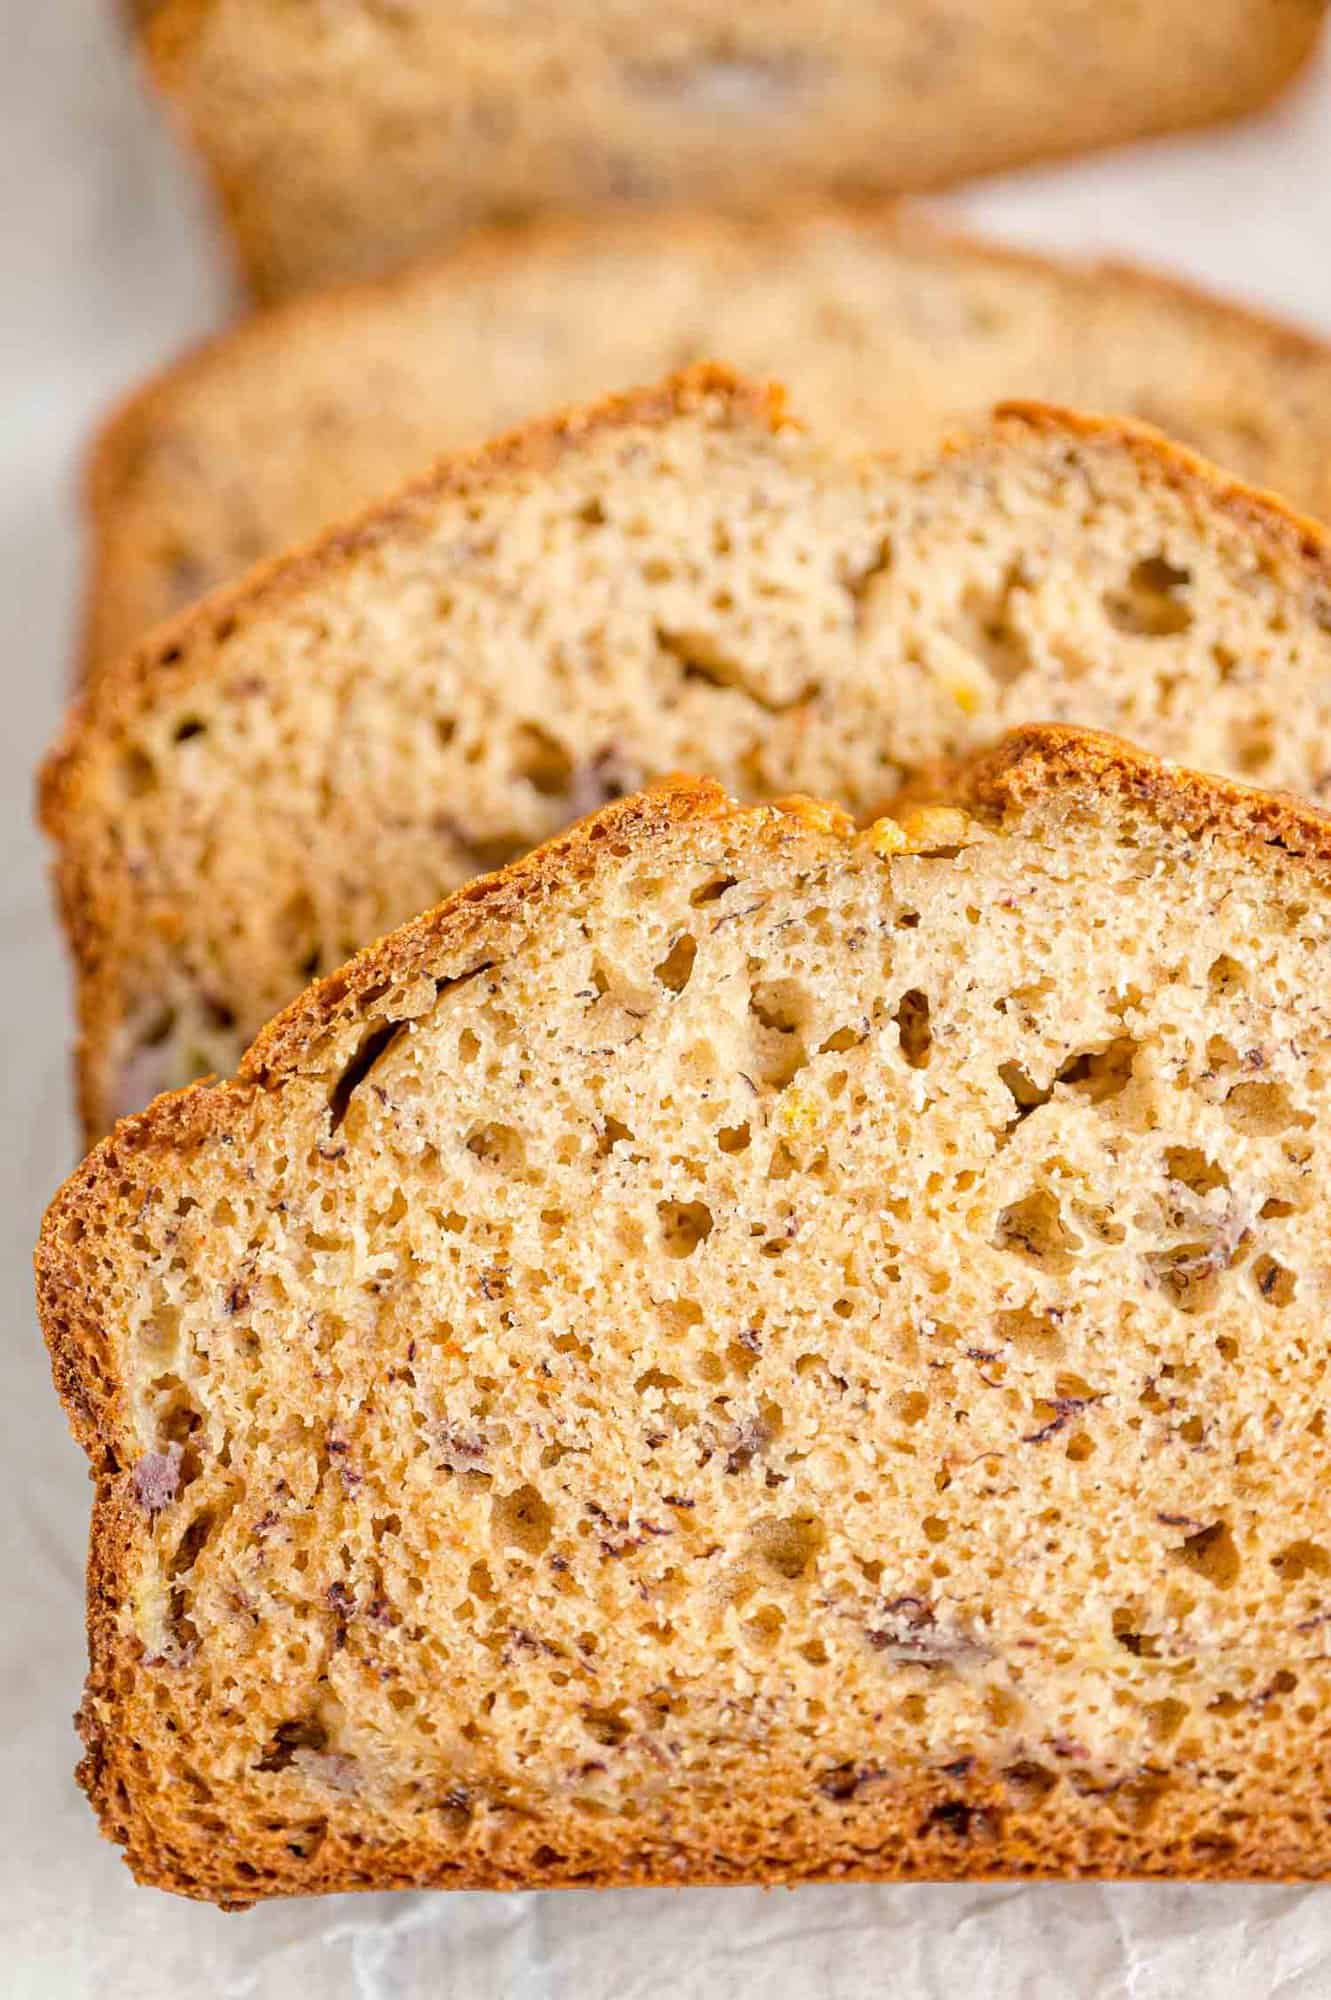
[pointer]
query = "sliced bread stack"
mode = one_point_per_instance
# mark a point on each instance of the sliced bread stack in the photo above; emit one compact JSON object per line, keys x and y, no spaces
{"x":761,"y":1339}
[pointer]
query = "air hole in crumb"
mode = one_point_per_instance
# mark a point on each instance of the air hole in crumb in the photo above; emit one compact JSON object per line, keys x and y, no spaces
{"x":521,"y":1520}
{"x":1299,"y":1559}
{"x":766,"y":1626}
{"x":985,"y":626}
{"x":613,"y":1133}
{"x":374,"y":1043}
{"x":684,"y":1225}
{"x":676,"y":967}
{"x":190,"y":1546}
{"x":742,"y":1354}
{"x":1165,"y":1718}
{"x":1139,"y":1799}
{"x":1035,"y":1332}
{"x":606,"y":1725}
{"x":1028,"y":1784}
{"x":1026,"y":1095}
{"x":1276,"y":1284}
{"x":1101,"y":1073}
{"x":712,"y":890}
{"x":1263,"y":1110}
{"x":1193,"y":1170}
{"x":1034,"y":1228}
{"x":913,"y":1029}
{"x":188,"y":728}
{"x":778,"y":1006}
{"x":303,"y":1733}
{"x":542,"y":761}
{"x":497,"y":1146}
{"x":1142,"y":1645}
{"x":1211,"y":1555}
{"x":1187,"y":1273}
{"x":138,"y":774}
{"x":787,"y":1547}
{"x":1151,"y":604}
{"x":1226,"y":977}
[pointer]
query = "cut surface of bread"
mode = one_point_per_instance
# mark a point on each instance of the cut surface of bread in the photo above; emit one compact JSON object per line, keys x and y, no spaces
{"x":676,"y":580}
{"x":342,"y":140}
{"x":737,"y":1350}
{"x":891,"y":328}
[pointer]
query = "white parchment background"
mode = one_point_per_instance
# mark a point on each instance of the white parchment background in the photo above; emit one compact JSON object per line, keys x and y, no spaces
{"x":106,"y":266}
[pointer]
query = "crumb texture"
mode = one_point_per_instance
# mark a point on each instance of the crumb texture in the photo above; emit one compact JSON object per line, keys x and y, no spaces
{"x":292,"y":774}
{"x":341,"y":140}
{"x":767,"y":1354}
{"x":891,"y":331}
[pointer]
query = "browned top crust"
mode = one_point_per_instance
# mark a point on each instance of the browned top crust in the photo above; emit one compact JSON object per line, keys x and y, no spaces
{"x":1284,"y":529}
{"x":1046,"y":758}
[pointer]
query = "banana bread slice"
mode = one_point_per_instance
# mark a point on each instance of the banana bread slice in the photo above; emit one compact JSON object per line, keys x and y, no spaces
{"x":738,"y":1350}
{"x":675,"y":580}
{"x":343,"y":139}
{"x":892,"y":328}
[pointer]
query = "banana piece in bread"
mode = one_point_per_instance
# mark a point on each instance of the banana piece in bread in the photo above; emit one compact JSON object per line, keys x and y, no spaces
{"x":738,"y":1350}
{"x":679,"y":579}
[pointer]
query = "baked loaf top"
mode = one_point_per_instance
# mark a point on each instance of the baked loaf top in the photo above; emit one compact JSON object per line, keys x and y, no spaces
{"x":891,"y":327}
{"x":342,"y":140}
{"x":679,"y":579}
{"x":736,"y":1350}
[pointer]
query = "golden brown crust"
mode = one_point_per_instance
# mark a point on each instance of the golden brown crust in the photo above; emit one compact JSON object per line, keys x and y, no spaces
{"x":131,"y":424}
{"x":1050,"y":758}
{"x":947,"y":1824}
{"x":1280,"y":528}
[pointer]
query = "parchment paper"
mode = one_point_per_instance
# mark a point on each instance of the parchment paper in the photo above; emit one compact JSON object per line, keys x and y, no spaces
{"x":107,"y":266}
